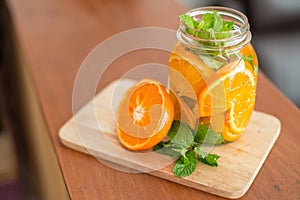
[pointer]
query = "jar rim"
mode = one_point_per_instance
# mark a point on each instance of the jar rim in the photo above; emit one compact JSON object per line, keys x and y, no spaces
{"x":240,"y":33}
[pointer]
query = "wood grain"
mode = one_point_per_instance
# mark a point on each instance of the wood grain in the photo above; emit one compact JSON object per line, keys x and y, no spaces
{"x":56,"y":35}
{"x":92,"y":131}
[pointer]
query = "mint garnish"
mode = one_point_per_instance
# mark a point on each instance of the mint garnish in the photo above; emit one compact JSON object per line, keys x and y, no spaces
{"x":186,"y":164}
{"x":207,"y":134}
{"x":210,"y":24}
{"x":184,"y":144}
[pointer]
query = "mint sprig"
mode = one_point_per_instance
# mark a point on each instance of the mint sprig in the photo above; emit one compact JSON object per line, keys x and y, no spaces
{"x":185,"y":165}
{"x":184,"y":144}
{"x":210,"y":28}
{"x":204,"y":133}
{"x":210,"y":24}
{"x":209,"y":159}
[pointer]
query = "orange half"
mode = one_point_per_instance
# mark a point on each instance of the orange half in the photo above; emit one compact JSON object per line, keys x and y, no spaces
{"x":145,"y":115}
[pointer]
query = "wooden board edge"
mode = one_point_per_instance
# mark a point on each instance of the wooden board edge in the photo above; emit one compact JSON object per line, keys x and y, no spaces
{"x":69,"y":128}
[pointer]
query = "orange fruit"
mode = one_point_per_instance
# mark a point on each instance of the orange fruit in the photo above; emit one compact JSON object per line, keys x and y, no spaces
{"x":215,"y":98}
{"x":234,"y":94}
{"x":145,"y":115}
{"x":228,"y":135}
{"x":187,"y":74}
{"x":242,"y":100}
{"x":183,"y":72}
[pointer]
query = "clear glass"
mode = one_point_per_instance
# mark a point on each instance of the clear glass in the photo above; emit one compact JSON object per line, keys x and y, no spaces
{"x":213,"y":81}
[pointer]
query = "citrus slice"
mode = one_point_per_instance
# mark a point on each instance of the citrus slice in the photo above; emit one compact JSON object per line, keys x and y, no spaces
{"x":215,"y":98}
{"x":233,"y":94}
{"x":145,"y":115}
{"x":185,"y":79}
{"x":243,"y":90}
{"x":228,"y":135}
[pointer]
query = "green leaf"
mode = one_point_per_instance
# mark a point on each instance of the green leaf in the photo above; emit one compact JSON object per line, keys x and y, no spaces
{"x":218,"y":22}
{"x":250,"y":59}
{"x":228,"y":26}
{"x":173,"y":130}
{"x":185,"y":165}
{"x":213,"y":62}
{"x":184,"y":136}
{"x":204,"y":133}
{"x":210,"y":159}
{"x":188,"y":20}
{"x":207,"y":22}
{"x":167,"y":148}
{"x":160,"y":145}
{"x":170,"y":151}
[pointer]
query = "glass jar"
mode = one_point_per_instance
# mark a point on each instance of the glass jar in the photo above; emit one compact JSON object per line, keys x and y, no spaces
{"x":213,"y":81}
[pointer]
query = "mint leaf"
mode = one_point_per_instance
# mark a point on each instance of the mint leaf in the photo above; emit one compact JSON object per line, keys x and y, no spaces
{"x":184,"y":136}
{"x":250,"y":59}
{"x":204,"y":133}
{"x":213,"y":62}
{"x":185,"y":165}
{"x":160,"y":145}
{"x":218,"y":22}
{"x":208,"y":159}
{"x":169,"y":150}
{"x":227,"y":26}
{"x":188,"y":20}
{"x":210,"y":24}
{"x":207,"y":22}
{"x":182,"y":145}
{"x":174,"y":129}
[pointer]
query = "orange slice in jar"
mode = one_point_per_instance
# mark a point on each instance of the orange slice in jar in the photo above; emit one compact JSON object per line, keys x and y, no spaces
{"x":185,"y":78}
{"x":234,"y":94}
{"x":144,"y":116}
{"x":215,"y":98}
{"x":243,"y":90}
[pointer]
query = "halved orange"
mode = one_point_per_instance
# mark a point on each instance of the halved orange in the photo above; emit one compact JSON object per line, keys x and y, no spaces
{"x":145,"y":115}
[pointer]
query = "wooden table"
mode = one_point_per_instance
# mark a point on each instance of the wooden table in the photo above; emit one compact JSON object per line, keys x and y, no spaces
{"x":54,"y":38}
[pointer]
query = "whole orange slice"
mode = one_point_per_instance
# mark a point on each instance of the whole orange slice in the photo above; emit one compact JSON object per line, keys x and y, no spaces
{"x":242,"y":100}
{"x":145,"y":115}
{"x":233,"y":94}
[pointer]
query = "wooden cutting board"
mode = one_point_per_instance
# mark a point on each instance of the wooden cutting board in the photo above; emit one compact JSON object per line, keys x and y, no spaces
{"x":92,"y":131}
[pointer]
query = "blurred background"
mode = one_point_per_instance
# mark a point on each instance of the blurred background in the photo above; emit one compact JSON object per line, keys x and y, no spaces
{"x":275,"y":28}
{"x":276,"y":38}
